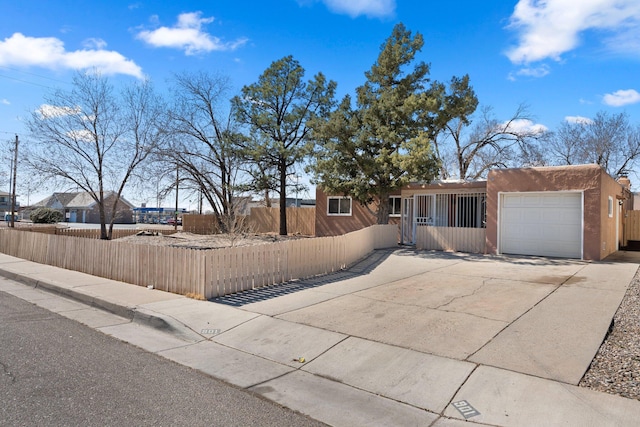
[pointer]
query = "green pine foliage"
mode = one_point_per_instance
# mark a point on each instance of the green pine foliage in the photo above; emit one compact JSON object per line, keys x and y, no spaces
{"x":372,"y":149}
{"x":278,"y":109}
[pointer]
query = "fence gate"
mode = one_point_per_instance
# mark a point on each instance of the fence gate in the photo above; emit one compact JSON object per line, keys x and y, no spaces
{"x":632,"y":226}
{"x":416,"y":211}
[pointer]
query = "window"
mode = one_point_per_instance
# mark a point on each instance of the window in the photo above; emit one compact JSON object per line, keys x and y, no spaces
{"x":395,"y":205}
{"x":610,"y":207}
{"x":339,"y":206}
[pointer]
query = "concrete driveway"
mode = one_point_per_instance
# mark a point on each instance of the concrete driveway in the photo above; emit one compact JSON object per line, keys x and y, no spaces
{"x":538,"y":316}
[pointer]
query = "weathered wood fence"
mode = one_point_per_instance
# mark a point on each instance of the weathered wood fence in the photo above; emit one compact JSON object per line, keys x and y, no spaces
{"x":209,"y":273}
{"x":632,"y":226}
{"x":261,"y":220}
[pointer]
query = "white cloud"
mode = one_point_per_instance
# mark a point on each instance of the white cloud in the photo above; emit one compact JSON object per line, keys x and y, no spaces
{"x":535,"y":72}
{"x":50,"y":53}
{"x":549,"y":28}
{"x":81,"y":135}
{"x":622,"y":97}
{"x":578,"y":119}
{"x":5,"y":101}
{"x":48,"y":111}
{"x":188,"y":35}
{"x":370,"y":8}
{"x":94,"y":43}
{"x":525,"y":126}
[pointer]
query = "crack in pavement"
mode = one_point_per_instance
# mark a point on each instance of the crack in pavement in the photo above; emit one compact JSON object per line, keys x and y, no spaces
{"x":482,"y":285}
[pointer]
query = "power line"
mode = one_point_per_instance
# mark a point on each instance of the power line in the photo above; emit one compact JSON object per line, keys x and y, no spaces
{"x":33,"y":74}
{"x":9,"y":133}
{"x":25,"y":81}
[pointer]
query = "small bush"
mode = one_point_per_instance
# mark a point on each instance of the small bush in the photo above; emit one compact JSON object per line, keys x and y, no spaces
{"x":46,"y":216}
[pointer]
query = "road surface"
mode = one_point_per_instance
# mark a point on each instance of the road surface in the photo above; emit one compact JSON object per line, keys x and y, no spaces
{"x":55,"y":372}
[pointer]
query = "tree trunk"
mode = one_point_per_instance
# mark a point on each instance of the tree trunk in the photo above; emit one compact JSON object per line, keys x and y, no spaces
{"x":282,"y":168}
{"x":103,"y":223}
{"x":382,"y":215}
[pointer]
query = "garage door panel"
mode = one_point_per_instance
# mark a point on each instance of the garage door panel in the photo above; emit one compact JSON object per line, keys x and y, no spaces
{"x":546,"y":224}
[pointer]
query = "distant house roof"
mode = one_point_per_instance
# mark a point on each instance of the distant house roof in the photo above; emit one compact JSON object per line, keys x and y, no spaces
{"x":77,"y":200}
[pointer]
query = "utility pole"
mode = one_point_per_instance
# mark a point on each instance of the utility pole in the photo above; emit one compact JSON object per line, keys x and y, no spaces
{"x":13,"y":189}
{"x":175,"y":216}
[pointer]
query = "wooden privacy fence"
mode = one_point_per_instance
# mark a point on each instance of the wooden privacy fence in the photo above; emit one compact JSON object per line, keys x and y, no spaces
{"x":261,"y":220}
{"x":299,"y":220}
{"x":210,"y":273}
{"x":632,"y":226}
{"x":199,"y":224}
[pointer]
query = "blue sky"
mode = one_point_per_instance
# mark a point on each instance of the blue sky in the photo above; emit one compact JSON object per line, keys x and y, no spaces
{"x":564,"y":58}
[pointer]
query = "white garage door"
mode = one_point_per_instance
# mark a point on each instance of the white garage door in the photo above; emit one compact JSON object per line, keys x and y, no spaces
{"x":545,"y":224}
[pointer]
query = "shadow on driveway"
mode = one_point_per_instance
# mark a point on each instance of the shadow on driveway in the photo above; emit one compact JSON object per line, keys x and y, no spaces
{"x":361,"y":268}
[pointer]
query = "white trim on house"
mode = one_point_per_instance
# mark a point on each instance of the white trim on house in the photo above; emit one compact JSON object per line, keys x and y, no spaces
{"x":392,"y":212}
{"x":339,"y":212}
{"x":610,"y":206}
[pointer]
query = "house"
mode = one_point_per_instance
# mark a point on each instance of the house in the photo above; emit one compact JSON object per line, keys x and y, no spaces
{"x":560,"y":211}
{"x":336,"y":215}
{"x":80,"y":207}
{"x":5,"y":202}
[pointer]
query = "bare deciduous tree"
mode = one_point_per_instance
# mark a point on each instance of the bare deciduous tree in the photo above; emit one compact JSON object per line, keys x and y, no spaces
{"x":94,"y":139}
{"x":205,"y":141}
{"x":470,"y":149}
{"x":607,"y":140}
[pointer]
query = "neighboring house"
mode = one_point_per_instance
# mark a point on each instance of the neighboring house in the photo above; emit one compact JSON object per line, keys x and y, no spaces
{"x":80,"y":207}
{"x":564,"y":211}
{"x":5,"y":203}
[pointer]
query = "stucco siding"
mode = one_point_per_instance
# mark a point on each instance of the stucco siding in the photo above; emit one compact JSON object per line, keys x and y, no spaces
{"x":611,"y":227}
{"x":585,"y":178}
{"x":329,"y":225}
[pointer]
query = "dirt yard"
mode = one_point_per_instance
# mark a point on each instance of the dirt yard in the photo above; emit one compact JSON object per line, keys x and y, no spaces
{"x":196,"y":241}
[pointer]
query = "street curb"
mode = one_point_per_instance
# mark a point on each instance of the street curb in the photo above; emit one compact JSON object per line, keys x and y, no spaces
{"x":131,"y":313}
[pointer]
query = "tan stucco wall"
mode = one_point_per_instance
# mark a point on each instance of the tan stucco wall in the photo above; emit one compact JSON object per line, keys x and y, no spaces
{"x":610,"y":188}
{"x":337,"y":225}
{"x":592,"y":180}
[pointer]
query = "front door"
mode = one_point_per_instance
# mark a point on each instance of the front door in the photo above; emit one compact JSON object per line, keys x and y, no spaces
{"x":408,"y":235}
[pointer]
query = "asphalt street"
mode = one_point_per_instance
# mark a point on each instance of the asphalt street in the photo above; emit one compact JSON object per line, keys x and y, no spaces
{"x":57,"y":372}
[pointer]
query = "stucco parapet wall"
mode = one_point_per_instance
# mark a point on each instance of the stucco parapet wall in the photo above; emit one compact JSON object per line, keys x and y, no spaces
{"x":546,"y":178}
{"x":446,"y":186}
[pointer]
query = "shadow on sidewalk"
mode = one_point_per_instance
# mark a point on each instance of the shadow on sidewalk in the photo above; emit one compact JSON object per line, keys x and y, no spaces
{"x":361,"y":268}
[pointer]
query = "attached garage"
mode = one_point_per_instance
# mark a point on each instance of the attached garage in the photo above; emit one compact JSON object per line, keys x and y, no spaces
{"x":541,"y":223}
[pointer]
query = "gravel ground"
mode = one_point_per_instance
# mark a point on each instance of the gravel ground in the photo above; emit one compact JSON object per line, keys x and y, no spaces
{"x":616,"y":367}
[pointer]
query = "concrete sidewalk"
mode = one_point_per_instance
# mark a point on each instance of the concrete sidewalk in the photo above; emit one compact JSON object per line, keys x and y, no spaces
{"x":402,"y":338}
